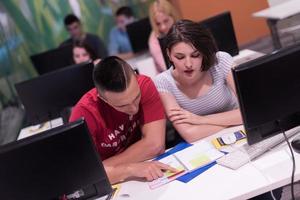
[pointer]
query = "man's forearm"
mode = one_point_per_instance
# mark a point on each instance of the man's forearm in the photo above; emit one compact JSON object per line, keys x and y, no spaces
{"x":139,"y":151}
{"x":117,"y":173}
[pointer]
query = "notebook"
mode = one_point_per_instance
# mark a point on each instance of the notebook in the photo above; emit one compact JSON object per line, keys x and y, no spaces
{"x":187,"y":160}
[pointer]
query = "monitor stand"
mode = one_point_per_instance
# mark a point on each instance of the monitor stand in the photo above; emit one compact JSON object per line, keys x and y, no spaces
{"x":296,"y":144}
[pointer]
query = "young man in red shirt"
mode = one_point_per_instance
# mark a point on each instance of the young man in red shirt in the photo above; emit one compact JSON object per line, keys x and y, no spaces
{"x":126,"y":120}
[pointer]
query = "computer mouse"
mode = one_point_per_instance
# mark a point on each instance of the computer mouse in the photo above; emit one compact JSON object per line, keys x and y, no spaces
{"x":296,"y":144}
{"x":228,"y":138}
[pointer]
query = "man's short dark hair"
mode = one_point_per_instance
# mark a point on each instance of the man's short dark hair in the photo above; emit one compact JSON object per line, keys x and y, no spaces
{"x":125,"y":10}
{"x":192,"y":32}
{"x":112,"y":74}
{"x":70,"y":19}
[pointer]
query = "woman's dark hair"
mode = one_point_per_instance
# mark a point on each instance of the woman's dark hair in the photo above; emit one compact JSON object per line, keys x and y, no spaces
{"x":191,"y":32}
{"x":88,"y":48}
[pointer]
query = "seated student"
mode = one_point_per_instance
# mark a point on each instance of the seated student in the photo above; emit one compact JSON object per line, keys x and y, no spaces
{"x":162,"y":16}
{"x":126,"y":119}
{"x":82,"y":52}
{"x":119,"y":44}
{"x":74,"y":27}
{"x":198,"y":92}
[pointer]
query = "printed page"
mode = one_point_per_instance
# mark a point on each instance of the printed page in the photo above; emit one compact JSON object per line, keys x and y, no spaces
{"x":198,"y":155}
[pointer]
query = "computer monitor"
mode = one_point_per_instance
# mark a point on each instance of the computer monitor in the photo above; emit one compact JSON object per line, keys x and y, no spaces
{"x":138,"y":33}
{"x":163,"y":47}
{"x":221,"y":27}
{"x":268,"y":93}
{"x":47,"y":96}
{"x":56,"y":162}
{"x":53,"y":59}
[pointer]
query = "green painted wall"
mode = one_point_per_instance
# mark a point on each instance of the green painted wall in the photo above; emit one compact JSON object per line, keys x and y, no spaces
{"x":31,"y":26}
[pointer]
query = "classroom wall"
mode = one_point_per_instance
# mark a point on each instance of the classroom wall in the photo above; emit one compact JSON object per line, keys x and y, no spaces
{"x":247,"y":28}
{"x":34,"y":26}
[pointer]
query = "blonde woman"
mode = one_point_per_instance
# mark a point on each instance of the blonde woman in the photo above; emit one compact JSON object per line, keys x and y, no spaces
{"x":162,"y":16}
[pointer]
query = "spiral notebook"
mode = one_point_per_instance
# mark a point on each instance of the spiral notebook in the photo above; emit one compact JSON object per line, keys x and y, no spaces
{"x":187,"y":160}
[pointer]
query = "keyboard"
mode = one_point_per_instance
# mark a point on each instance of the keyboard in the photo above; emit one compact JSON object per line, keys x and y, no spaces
{"x":244,"y":154}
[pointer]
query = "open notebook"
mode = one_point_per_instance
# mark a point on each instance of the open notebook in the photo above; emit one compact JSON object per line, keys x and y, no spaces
{"x":187,"y":160}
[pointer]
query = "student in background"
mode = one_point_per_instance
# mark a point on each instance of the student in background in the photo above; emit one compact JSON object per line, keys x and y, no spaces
{"x":198,"y":91}
{"x":74,"y":27}
{"x":119,"y":44}
{"x":126,"y":119}
{"x":162,"y":16}
{"x":82,"y":52}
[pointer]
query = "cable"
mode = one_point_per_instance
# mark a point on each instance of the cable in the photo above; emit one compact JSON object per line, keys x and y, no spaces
{"x":294,"y":164}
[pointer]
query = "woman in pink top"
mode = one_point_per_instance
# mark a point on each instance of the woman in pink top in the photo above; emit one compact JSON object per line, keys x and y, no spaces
{"x":162,"y":16}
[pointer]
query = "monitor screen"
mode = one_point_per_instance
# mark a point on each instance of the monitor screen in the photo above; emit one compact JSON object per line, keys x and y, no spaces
{"x":138,"y":33}
{"x":47,"y":96}
{"x":221,"y":27}
{"x":56,"y":162}
{"x":268,"y":92}
{"x":53,"y":59}
{"x":163,"y":47}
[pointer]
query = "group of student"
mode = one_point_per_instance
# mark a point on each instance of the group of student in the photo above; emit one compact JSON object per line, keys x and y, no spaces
{"x":126,"y":113}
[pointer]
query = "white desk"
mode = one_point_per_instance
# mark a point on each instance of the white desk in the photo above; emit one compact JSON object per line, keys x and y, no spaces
{"x":276,"y":13}
{"x":270,"y":171}
{"x":32,"y":130}
{"x":144,"y":63}
{"x":246,"y":55}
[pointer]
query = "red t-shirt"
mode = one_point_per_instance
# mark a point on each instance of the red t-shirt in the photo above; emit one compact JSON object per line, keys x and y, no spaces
{"x":114,"y":131}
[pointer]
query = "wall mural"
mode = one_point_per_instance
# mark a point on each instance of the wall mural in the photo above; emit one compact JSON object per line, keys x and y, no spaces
{"x":32,"y":26}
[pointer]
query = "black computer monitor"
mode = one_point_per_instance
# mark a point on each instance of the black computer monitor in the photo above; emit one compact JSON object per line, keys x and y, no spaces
{"x":53,"y":59}
{"x":56,"y":162}
{"x":221,"y":27}
{"x":163,"y":47}
{"x":47,"y":96}
{"x":138,"y":33}
{"x":268,"y":93}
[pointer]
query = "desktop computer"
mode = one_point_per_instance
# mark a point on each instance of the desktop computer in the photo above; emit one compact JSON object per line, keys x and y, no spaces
{"x":163,"y":47}
{"x":51,"y":95}
{"x":57,"y":162}
{"x":268,"y":93}
{"x":221,"y":27}
{"x":267,"y":90}
{"x":138,"y":33}
{"x":53,"y":59}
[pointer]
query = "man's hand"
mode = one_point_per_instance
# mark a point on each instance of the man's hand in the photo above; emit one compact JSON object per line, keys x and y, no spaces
{"x":180,"y":116}
{"x":149,"y":170}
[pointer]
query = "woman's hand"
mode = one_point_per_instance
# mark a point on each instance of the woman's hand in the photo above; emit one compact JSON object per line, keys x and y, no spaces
{"x":179,"y":116}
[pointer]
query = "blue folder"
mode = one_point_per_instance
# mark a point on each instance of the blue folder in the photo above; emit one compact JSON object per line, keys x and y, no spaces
{"x":191,"y":175}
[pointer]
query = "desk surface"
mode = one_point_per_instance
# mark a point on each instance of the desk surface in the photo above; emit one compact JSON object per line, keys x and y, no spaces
{"x":144,"y":63}
{"x":270,"y":171}
{"x":280,"y":11}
